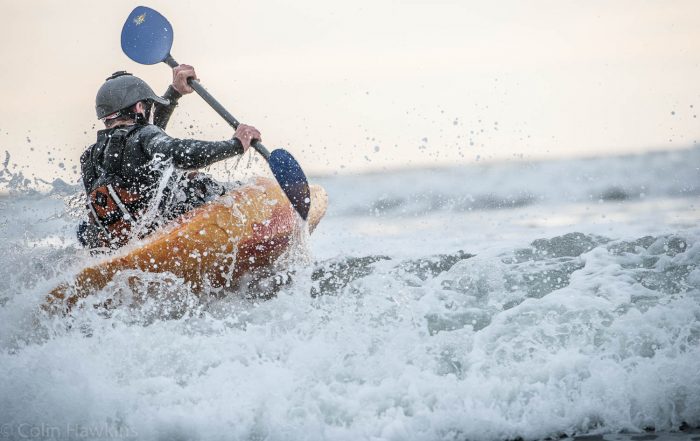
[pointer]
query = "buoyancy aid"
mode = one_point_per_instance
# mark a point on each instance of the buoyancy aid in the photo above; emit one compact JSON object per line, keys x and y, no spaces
{"x":113,"y":204}
{"x":121,"y":181}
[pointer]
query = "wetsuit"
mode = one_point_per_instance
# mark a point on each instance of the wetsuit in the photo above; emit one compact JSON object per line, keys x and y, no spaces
{"x":133,"y":160}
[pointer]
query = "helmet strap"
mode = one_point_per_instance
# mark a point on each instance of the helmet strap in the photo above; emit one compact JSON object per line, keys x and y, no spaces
{"x":140,"y":118}
{"x":147,"y":115}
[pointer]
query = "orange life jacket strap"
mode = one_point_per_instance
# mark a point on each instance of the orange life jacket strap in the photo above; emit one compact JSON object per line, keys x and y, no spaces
{"x":117,"y":200}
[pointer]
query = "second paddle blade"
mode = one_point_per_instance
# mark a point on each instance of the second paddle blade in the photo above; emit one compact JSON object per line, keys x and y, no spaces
{"x":147,"y":36}
{"x":292,"y":179}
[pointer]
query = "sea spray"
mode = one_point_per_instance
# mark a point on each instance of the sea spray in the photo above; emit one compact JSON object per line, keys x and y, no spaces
{"x":564,"y":316}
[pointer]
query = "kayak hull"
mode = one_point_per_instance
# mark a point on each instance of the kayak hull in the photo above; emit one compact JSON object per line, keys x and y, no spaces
{"x":215,"y":244}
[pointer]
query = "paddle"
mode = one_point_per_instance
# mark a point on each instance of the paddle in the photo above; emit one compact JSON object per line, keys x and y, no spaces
{"x":147,"y":38}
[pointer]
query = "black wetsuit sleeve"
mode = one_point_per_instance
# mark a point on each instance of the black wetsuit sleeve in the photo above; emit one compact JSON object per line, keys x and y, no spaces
{"x":162,"y":112}
{"x":186,"y":153}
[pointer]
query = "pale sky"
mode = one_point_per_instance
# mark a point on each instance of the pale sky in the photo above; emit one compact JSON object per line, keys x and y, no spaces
{"x":368,"y":84}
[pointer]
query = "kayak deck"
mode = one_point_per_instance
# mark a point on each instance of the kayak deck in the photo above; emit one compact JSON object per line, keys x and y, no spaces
{"x":248,"y":228}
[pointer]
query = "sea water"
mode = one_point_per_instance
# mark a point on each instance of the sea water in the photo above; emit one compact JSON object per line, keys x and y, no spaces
{"x":480,"y":302}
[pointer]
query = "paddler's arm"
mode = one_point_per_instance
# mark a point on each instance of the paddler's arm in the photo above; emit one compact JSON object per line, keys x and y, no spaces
{"x":179,"y":87}
{"x":163,"y":112}
{"x":193,"y":153}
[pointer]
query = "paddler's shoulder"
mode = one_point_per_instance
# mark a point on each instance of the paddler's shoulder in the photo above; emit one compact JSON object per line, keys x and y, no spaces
{"x":101,"y":135}
{"x":146,"y":132}
{"x":85,"y":157}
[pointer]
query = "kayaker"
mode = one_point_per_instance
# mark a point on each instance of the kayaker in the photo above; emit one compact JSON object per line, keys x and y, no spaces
{"x":136,"y":176}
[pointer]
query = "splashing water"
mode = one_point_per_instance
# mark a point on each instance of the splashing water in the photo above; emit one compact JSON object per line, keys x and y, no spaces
{"x":422,"y":320}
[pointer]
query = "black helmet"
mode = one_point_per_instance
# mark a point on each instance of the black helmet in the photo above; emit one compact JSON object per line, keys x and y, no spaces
{"x":123,"y":90}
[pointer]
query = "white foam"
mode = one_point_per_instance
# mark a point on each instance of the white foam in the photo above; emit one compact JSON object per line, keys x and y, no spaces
{"x":597,"y":331}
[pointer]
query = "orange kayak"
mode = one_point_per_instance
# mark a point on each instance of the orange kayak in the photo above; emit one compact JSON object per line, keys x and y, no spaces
{"x":248,"y":228}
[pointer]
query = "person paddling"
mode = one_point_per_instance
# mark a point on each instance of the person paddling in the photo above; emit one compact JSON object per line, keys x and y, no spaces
{"x":134,"y":175}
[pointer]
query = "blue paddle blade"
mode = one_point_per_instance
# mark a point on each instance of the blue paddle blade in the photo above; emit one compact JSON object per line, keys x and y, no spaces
{"x":147,"y":36}
{"x":292,"y":179}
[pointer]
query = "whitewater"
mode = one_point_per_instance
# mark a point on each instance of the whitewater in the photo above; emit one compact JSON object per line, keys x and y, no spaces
{"x":491,"y":301}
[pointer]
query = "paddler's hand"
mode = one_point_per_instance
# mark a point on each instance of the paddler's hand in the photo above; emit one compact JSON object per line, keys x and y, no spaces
{"x":180,"y":75}
{"x":247,"y":134}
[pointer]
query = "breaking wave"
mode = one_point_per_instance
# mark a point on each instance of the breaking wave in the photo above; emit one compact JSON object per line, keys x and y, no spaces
{"x":408,"y":330}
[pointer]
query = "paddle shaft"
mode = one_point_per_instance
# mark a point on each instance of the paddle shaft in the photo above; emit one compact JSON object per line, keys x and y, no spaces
{"x":233,"y":122}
